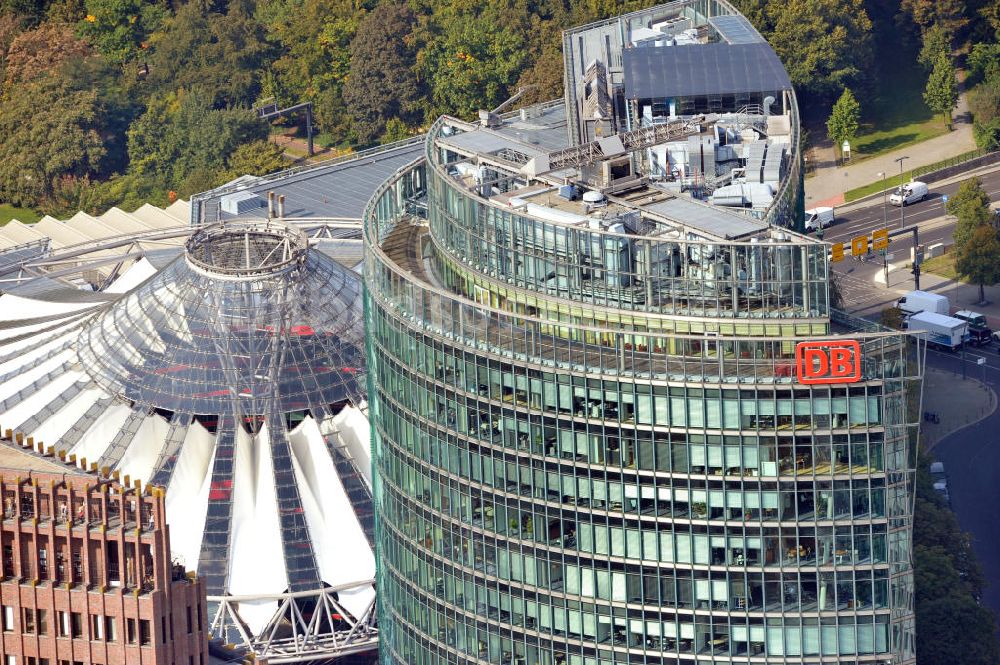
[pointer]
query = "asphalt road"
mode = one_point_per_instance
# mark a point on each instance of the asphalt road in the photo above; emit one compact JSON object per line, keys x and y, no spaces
{"x":857,"y":279}
{"x":971,"y":459}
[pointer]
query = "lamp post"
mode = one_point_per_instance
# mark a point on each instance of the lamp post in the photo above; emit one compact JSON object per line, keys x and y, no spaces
{"x":902,"y":202}
{"x":885,"y":225}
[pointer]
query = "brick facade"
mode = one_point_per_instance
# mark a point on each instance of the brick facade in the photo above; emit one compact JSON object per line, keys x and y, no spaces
{"x":87,"y":577}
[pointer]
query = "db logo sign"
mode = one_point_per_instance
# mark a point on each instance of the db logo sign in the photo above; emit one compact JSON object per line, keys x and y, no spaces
{"x":828,"y":361}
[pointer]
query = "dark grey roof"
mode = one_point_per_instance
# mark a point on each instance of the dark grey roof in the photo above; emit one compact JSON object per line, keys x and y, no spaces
{"x":735,"y":29}
{"x":339,"y":189}
{"x":702,"y":69}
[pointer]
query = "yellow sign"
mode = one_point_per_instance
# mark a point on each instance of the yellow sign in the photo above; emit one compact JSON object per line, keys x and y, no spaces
{"x":859,"y":245}
{"x":837,"y":252}
{"x":880,"y":239}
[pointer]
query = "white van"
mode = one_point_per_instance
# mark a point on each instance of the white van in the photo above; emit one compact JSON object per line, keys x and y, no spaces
{"x":818,"y":218}
{"x":909,"y":193}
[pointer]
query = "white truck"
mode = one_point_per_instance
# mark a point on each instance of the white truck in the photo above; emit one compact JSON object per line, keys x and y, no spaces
{"x":943,"y":332}
{"x":819,"y":218}
{"x":922,"y":301}
{"x":909,"y":193}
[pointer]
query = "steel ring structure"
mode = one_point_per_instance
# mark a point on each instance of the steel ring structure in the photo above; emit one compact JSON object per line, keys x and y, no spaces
{"x":224,"y":363}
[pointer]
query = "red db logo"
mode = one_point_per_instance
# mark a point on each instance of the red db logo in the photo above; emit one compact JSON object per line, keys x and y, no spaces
{"x":828,"y":362}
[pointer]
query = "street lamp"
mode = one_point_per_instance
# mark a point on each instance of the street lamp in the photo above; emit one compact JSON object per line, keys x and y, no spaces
{"x":885,"y":196}
{"x":902,"y":202}
{"x":885,"y":225}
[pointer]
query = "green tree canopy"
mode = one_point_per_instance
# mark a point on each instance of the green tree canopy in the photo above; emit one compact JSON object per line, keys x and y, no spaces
{"x":257,"y":158}
{"x":472,"y":67}
{"x":935,"y":41}
{"x":52,"y":127}
{"x":824,"y":44}
{"x":221,"y":53}
{"x":181,"y":143}
{"x":971,"y":205}
{"x":382,"y":84}
{"x":118,"y":28}
{"x":979,"y":259}
{"x":941,"y":93}
{"x":947,"y":15}
{"x":977,"y":248}
{"x":845,"y":116}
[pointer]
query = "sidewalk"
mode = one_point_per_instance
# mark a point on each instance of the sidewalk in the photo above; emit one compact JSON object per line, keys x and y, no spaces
{"x":827,"y":184}
{"x":957,"y":404}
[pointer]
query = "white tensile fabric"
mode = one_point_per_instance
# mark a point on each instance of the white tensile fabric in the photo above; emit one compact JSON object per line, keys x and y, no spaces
{"x":187,"y":494}
{"x":138,"y":273}
{"x":342,"y":551}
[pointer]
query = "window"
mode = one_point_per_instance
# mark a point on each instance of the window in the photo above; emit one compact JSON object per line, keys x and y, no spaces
{"x":28,"y":620}
{"x":130,"y":631}
{"x":76,"y":624}
{"x":10,"y":660}
{"x":144,"y":631}
{"x":96,"y":627}
{"x":63,"y":618}
{"x":8,"y":617}
{"x":109,"y":629}
{"x":42,"y":619}
{"x":189,"y":618}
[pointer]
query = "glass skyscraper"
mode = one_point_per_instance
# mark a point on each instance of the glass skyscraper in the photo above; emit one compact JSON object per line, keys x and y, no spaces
{"x":597,"y":435}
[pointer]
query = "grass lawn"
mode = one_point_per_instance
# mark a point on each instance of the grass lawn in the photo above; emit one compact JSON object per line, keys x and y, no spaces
{"x":9,"y":212}
{"x":943,"y":266}
{"x":895,"y":116}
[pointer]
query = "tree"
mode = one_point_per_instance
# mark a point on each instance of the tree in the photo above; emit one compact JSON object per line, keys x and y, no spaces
{"x":118,"y":28}
{"x":181,"y":143}
{"x":941,"y":93}
{"x":948,"y":15}
{"x":935,"y":42}
{"x":977,"y":248}
{"x":891,"y":317}
{"x":472,"y":67}
{"x":221,"y":53}
{"x":824,"y":44}
{"x":381,"y":85}
{"x":41,"y":52}
{"x":256,"y":158}
{"x":979,"y":260}
{"x":51,"y":127}
{"x":971,"y":206}
{"x":844,"y":119}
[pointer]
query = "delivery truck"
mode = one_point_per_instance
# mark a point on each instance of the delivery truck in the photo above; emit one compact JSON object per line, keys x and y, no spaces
{"x":943,"y":332}
{"x":922,"y":301}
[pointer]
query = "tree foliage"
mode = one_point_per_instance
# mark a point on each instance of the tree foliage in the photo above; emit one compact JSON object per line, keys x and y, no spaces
{"x":118,"y":27}
{"x":947,"y":15}
{"x":941,"y":93}
{"x":382,"y":84}
{"x":51,"y":127}
{"x":949,"y":584}
{"x":824,"y":44}
{"x":223,"y":53}
{"x":977,"y":247}
{"x":844,"y":119}
{"x":970,"y":205}
{"x":935,"y":41}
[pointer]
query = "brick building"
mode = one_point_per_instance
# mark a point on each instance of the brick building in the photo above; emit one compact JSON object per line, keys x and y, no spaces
{"x":86,"y":573}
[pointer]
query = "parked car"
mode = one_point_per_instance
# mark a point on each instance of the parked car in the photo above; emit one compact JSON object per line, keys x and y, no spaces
{"x":940,"y":480}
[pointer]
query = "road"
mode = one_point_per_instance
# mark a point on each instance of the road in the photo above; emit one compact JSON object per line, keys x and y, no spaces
{"x":857,"y":280}
{"x":971,"y":458}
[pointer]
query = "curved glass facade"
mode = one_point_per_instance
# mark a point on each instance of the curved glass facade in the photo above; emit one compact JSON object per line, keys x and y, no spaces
{"x":594,"y":446}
